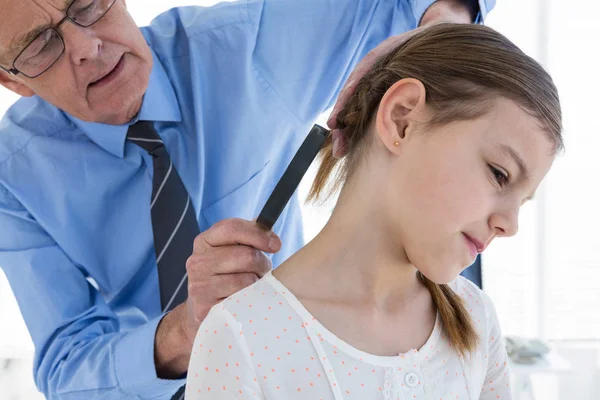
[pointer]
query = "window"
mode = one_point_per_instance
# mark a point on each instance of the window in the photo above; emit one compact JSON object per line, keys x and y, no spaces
{"x":546,"y":281}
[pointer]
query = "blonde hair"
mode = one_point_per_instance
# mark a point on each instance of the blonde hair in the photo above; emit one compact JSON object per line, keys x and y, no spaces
{"x":462,"y":68}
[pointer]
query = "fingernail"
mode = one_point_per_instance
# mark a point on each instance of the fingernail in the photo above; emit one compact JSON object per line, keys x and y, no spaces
{"x":332,"y":121}
{"x":273,"y":242}
{"x":336,"y":147}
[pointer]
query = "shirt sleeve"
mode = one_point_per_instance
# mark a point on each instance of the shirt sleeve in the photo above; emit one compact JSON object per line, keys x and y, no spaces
{"x":485,"y":7}
{"x":220,"y":365}
{"x":497,"y":379}
{"x":80,"y":352}
{"x":480,"y":8}
{"x":305,"y":49}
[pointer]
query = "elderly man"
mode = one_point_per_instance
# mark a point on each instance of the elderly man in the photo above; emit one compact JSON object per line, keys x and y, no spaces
{"x":133,"y":165}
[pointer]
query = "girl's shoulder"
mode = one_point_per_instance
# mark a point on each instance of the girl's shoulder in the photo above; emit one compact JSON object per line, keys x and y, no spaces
{"x":477,"y":302}
{"x":259,"y":292}
{"x":260,"y":305}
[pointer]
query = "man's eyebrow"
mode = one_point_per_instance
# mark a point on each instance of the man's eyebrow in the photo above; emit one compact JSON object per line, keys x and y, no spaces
{"x":24,"y":40}
{"x":524,"y":172}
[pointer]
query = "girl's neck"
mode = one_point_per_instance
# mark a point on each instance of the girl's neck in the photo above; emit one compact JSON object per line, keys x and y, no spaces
{"x":353,"y":260}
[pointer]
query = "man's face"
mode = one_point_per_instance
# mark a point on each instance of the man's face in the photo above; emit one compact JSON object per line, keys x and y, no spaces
{"x":101,"y":76}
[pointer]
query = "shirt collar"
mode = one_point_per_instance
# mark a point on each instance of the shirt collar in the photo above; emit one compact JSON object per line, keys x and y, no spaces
{"x":159,"y":104}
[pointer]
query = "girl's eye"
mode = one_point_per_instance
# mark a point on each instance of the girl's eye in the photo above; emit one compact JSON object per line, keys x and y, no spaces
{"x":500,"y":176}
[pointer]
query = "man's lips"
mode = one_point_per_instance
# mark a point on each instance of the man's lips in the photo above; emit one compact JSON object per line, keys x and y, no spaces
{"x":107,"y":75}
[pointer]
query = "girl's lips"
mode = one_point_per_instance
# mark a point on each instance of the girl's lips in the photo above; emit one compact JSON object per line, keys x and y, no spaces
{"x":471,"y":245}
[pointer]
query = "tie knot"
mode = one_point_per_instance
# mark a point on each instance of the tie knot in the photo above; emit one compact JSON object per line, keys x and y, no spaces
{"x":144,"y":135}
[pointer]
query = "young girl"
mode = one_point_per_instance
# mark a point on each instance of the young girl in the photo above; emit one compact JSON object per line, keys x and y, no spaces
{"x":447,"y":137}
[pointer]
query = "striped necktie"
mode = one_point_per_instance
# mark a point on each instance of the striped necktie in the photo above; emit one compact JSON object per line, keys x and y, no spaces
{"x":174,"y":223}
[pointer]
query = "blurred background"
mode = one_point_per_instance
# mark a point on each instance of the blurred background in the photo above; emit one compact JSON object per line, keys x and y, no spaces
{"x":545,"y":282}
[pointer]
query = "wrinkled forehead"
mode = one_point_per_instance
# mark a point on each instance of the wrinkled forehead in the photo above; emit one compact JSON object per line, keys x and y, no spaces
{"x":21,"y":17}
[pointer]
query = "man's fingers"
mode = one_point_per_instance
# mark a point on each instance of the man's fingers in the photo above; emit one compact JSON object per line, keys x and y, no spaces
{"x":238,"y":231}
{"x":340,"y":147}
{"x":341,"y":101}
{"x":228,"y":260}
{"x":206,"y":293}
{"x":226,"y":285}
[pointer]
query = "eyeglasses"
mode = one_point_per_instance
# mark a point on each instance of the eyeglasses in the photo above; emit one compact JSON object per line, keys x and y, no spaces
{"x":47,"y":47}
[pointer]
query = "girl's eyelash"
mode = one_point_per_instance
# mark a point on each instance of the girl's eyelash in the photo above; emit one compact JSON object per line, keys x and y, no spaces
{"x":500,"y":176}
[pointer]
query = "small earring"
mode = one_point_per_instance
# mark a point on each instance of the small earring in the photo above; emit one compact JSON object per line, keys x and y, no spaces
{"x":396,"y":143}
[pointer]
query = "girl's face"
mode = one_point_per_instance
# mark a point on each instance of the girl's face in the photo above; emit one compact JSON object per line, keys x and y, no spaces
{"x":460,"y":185}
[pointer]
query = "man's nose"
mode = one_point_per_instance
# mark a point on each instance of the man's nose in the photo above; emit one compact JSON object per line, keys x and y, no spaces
{"x":81,"y":44}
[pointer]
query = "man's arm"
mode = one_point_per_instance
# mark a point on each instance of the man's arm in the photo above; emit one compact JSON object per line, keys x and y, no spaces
{"x":305,"y":50}
{"x":80,"y":351}
{"x":172,"y":346}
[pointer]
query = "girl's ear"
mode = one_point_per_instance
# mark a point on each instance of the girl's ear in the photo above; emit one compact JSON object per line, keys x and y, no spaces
{"x":401,"y":107}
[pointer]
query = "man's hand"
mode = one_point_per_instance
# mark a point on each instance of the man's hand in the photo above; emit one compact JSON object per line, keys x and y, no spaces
{"x":455,"y":11}
{"x":226,"y":258}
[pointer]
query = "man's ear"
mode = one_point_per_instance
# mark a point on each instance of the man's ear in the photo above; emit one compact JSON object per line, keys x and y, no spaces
{"x":400,"y":110}
{"x":14,"y":85}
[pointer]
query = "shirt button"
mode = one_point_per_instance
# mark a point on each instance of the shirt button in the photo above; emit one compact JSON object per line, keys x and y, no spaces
{"x":411,"y":380}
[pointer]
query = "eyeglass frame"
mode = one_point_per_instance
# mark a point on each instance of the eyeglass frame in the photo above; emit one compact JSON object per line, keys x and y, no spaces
{"x":14,"y":71}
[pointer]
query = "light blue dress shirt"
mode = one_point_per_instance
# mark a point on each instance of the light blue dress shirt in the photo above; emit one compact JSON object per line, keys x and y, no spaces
{"x":233,"y":91}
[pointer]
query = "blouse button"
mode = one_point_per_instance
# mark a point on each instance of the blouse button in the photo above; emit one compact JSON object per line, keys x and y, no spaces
{"x":411,"y":379}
